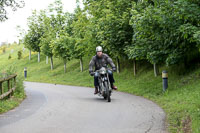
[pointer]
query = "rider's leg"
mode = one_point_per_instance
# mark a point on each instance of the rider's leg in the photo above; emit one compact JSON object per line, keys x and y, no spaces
{"x":111,"y":78}
{"x":96,"y":83}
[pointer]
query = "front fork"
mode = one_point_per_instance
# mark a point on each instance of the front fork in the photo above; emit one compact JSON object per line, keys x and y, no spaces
{"x":101,"y":84}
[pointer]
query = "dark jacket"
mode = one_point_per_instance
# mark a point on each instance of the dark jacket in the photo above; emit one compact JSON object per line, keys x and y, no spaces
{"x":98,"y":62}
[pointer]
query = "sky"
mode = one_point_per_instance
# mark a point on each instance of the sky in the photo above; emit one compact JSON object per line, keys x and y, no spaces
{"x":8,"y":30}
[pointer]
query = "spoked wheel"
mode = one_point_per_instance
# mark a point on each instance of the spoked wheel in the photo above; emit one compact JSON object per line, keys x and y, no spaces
{"x":108,"y":97}
{"x":107,"y":92}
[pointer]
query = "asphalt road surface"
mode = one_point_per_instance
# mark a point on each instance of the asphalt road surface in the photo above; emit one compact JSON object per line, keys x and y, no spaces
{"x":51,"y":108}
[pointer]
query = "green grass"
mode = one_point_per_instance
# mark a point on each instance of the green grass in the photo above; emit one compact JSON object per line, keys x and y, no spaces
{"x":8,"y":104}
{"x":6,"y":66}
{"x":181,"y":102}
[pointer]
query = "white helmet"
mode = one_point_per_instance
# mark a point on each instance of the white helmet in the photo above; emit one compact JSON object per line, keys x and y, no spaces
{"x":99,"y":49}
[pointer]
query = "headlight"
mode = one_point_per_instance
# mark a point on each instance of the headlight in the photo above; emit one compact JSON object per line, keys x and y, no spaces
{"x":103,"y":72}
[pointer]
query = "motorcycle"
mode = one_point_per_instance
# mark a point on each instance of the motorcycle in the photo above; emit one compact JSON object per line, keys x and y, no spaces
{"x":105,"y":89}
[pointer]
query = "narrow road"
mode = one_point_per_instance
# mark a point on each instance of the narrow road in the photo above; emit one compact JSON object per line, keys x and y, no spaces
{"x":53,"y":108}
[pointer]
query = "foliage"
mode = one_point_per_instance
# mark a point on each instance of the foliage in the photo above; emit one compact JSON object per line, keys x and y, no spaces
{"x":53,"y":21}
{"x":13,"y":4}
{"x":35,"y":32}
{"x":63,"y":47}
{"x":162,"y":32}
{"x":79,"y":30}
{"x":9,"y":57}
{"x":4,"y":49}
{"x":165,"y":31}
{"x":19,"y":54}
{"x":110,"y":20}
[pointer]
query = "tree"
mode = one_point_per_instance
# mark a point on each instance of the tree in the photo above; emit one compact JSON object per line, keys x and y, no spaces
{"x":63,"y":48}
{"x":47,"y":37}
{"x":21,"y":37}
{"x":111,"y":25}
{"x":79,"y":30}
{"x":53,"y":21}
{"x":34,"y":34}
{"x":164,"y":31}
{"x":4,"y":4}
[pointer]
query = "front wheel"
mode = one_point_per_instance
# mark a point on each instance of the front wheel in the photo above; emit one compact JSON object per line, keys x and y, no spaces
{"x":105,"y":97}
{"x":107,"y":92}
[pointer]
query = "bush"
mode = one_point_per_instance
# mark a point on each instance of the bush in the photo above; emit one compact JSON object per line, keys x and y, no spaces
{"x":19,"y":92}
{"x":9,"y":57}
{"x":19,"y":54}
{"x":4,"y":49}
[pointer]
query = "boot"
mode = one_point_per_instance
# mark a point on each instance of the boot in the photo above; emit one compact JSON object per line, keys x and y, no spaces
{"x":96,"y":90}
{"x":114,"y":87}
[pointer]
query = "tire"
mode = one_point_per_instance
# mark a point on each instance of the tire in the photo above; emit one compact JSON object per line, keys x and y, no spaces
{"x":107,"y":92}
{"x":105,"y":97}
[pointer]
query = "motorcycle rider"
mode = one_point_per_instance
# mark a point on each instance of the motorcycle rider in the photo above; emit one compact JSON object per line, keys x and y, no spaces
{"x":101,"y":60}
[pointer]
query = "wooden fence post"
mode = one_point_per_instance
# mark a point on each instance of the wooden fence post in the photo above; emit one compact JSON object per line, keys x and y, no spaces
{"x":9,"y":88}
{"x":1,"y":88}
{"x":134,"y":67}
{"x":11,"y":83}
{"x":15,"y":81}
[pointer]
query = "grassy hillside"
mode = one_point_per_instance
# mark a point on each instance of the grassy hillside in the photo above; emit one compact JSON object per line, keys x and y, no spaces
{"x":181,"y":102}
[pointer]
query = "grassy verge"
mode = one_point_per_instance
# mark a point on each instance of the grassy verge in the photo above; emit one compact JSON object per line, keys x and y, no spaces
{"x":15,"y":100}
{"x":19,"y":95}
{"x":180,"y":102}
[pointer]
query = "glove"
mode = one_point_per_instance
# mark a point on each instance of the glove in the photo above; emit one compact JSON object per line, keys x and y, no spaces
{"x":91,"y":73}
{"x":114,"y":69}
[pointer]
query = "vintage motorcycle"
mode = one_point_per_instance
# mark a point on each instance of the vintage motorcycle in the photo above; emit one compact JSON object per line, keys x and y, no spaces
{"x":105,"y":89}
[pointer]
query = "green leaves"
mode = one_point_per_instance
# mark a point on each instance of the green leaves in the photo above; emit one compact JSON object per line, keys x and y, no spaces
{"x":165,"y":31}
{"x":13,"y":4}
{"x":35,"y":32}
{"x":158,"y":31}
{"x":110,"y":19}
{"x":63,"y":47}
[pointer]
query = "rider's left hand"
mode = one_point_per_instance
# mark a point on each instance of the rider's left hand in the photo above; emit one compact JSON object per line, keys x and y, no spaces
{"x":114,"y":69}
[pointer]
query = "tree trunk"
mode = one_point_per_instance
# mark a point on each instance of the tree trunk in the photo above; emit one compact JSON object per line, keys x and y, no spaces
{"x":118,"y":65}
{"x":134,"y":67}
{"x":81,"y":64}
{"x":156,"y":70}
{"x":29,"y":54}
{"x":51,"y":62}
{"x":65,"y":65}
{"x":38,"y":56}
{"x":47,"y":59}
